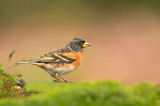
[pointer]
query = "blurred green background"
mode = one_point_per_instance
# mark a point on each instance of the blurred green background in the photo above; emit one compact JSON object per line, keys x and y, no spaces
{"x":125,"y":37}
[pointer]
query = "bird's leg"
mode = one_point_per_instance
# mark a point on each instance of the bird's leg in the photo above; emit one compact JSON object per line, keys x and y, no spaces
{"x":57,"y":79}
{"x":63,"y":79}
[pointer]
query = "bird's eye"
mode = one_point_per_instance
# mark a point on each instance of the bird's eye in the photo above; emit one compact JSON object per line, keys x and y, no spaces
{"x":83,"y":41}
{"x":79,"y":43}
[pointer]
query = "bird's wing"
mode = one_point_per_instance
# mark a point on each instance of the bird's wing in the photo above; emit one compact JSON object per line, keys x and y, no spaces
{"x":55,"y":58}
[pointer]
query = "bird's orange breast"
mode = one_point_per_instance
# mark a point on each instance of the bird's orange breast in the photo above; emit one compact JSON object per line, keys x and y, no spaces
{"x":77,"y":56}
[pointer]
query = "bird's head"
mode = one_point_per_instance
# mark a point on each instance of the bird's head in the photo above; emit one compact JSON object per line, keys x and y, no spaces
{"x":77,"y":45}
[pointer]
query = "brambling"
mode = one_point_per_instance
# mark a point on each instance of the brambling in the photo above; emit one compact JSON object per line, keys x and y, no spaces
{"x":61,"y":61}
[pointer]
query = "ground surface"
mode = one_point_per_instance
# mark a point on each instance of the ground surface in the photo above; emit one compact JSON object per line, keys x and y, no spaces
{"x":88,"y":93}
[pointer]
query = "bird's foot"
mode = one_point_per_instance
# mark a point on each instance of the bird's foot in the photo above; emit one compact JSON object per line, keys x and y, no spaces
{"x":57,"y":81}
{"x":65,"y":80}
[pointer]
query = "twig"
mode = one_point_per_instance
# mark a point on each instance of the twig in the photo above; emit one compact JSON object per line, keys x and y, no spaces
{"x":9,"y":59}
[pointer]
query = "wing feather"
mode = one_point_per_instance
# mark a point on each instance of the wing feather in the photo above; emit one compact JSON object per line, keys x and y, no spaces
{"x":54,"y":58}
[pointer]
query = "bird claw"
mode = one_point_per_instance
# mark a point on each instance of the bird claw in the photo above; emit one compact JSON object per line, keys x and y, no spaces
{"x":66,"y":80}
{"x":57,"y":81}
{"x":61,"y":81}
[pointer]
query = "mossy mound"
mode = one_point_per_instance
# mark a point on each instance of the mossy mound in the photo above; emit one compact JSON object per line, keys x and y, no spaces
{"x":11,"y":86}
{"x":101,"y":93}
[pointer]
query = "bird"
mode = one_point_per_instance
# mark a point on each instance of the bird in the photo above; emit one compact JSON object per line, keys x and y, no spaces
{"x":61,"y":61}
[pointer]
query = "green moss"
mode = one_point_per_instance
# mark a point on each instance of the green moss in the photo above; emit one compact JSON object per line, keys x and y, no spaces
{"x":101,"y":93}
{"x":6,"y":83}
{"x":9,"y":86}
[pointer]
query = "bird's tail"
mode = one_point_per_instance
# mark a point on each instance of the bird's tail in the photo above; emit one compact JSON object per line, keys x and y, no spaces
{"x":36,"y":61}
{"x":33,"y":61}
{"x":26,"y":62}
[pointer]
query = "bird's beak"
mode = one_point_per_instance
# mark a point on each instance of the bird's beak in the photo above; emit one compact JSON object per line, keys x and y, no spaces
{"x":86,"y":44}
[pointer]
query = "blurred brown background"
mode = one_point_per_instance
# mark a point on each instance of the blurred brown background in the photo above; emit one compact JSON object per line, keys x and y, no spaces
{"x":125,"y":37}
